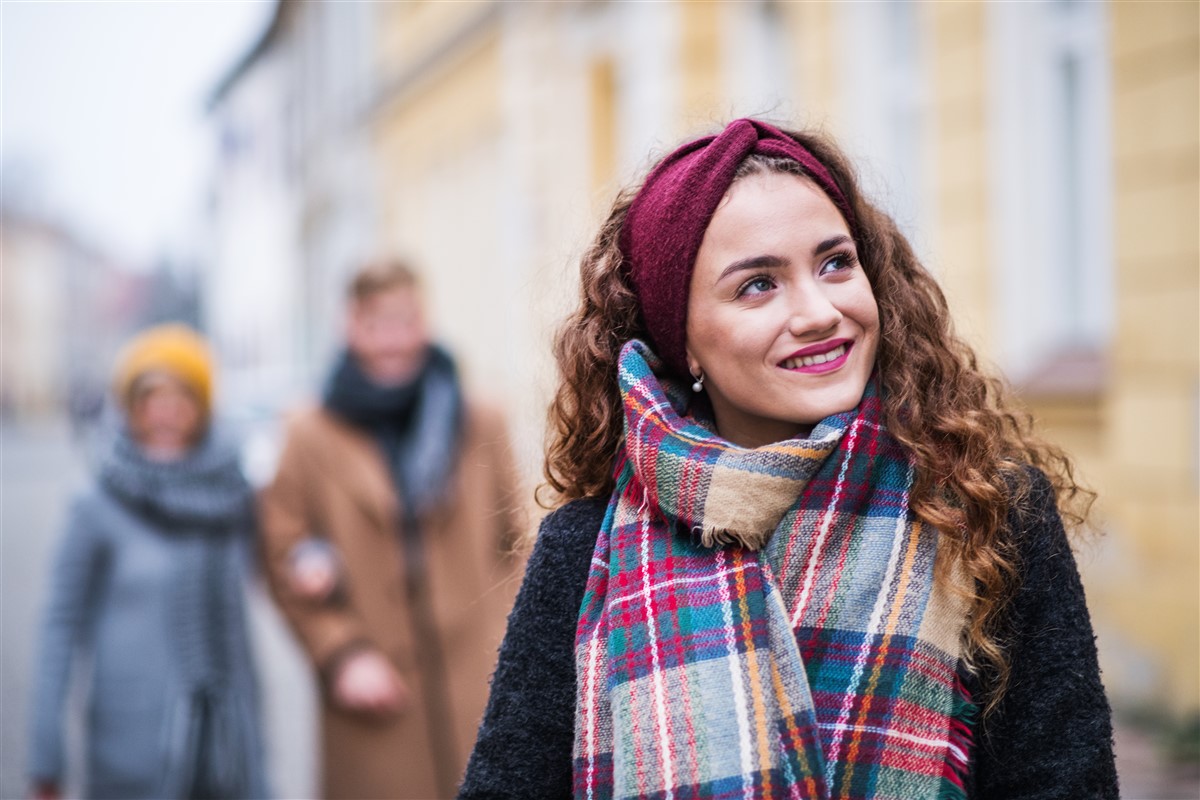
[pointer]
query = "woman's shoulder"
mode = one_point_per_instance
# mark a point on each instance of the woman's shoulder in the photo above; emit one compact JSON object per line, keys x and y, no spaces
{"x":1034,"y":521}
{"x":92,"y":500}
{"x":1054,"y":677}
{"x":575,"y":518}
{"x":573,"y":525}
{"x":90,"y":510}
{"x":566,"y":539}
{"x":1032,"y":489}
{"x":1048,"y":575}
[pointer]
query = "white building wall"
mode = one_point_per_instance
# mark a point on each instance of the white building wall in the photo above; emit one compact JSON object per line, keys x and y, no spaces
{"x":250,"y":287}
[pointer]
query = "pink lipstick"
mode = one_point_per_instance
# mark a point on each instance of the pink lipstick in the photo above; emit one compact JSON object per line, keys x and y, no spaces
{"x":819,"y":358}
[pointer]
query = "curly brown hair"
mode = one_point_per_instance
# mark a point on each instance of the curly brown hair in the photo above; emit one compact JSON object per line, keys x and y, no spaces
{"x":970,"y":441}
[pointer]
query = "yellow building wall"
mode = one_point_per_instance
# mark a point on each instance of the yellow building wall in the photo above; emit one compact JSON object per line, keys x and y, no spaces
{"x":33,"y":307}
{"x":497,"y":161}
{"x":437,"y":145}
{"x":699,"y":68}
{"x":1135,"y":440}
{"x":603,"y":112}
{"x":1149,"y":495}
{"x":960,"y":231}
{"x":814,"y":74}
{"x":409,"y":32}
{"x":486,"y":172}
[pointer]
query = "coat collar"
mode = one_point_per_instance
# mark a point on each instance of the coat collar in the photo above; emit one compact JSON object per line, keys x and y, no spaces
{"x":350,"y":459}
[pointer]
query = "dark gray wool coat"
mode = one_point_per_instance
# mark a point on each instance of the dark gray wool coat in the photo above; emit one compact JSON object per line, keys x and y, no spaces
{"x":148,"y":584}
{"x":1050,"y":739}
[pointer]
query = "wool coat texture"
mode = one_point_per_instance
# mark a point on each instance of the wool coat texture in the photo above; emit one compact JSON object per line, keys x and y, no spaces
{"x":155,"y":608}
{"x":1050,"y":738}
{"x":333,"y":483}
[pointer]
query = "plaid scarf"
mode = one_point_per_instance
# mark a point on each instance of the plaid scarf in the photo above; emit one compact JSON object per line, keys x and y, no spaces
{"x":764,"y":623}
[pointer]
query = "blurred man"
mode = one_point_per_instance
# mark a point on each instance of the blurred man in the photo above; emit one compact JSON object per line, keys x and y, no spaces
{"x":389,"y":532}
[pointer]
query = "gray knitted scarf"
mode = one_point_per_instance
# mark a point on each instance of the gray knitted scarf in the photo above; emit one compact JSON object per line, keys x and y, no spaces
{"x":202,"y":493}
{"x":203,"y":505}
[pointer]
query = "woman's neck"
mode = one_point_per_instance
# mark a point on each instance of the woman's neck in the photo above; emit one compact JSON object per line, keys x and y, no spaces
{"x":759,"y":434}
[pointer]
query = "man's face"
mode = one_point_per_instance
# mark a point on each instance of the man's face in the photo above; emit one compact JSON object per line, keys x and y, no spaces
{"x":388,"y":335}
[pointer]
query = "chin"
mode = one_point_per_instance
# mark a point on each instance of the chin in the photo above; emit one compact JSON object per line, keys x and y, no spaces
{"x":835,"y":403}
{"x":393,"y":373}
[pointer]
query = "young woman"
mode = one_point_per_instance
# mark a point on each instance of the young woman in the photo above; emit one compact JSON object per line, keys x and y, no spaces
{"x":808,"y":549}
{"x":147,"y":583}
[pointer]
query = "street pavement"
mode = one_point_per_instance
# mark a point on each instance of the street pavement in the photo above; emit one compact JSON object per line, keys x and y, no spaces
{"x":36,"y":471}
{"x":39,"y":467}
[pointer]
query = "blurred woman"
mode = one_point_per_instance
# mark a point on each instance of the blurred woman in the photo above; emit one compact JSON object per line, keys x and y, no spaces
{"x":148,"y":584}
{"x":810,"y":549}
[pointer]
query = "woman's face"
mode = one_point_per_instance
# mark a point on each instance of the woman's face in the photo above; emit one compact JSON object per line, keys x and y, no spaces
{"x":781,"y":317}
{"x":164,"y":416}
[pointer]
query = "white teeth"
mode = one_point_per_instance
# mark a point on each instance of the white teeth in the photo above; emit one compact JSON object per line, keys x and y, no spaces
{"x":820,"y":358}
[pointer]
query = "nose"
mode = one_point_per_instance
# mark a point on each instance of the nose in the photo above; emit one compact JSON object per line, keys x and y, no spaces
{"x":812,"y":313}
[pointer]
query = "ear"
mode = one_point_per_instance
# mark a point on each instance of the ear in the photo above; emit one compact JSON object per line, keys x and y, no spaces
{"x":692,"y":364}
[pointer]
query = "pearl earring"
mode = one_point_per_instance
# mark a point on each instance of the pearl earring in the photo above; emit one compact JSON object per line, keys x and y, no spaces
{"x":698,"y":386}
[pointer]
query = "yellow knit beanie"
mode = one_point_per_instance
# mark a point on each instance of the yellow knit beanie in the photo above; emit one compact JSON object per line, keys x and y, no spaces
{"x":172,"y":348}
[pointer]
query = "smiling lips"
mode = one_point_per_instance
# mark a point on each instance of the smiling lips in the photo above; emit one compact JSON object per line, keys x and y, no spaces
{"x":821,"y":358}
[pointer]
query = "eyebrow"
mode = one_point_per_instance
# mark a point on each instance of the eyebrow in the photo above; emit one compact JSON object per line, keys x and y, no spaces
{"x":753,"y":262}
{"x":777,"y":262}
{"x":832,"y":242}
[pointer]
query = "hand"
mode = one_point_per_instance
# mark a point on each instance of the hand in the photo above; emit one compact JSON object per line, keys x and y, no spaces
{"x":313,"y":576}
{"x":44,"y":790}
{"x":367,"y":682}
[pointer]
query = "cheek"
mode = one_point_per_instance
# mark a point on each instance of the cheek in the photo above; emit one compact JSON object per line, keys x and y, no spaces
{"x":867,"y":316}
{"x":859,"y":305}
{"x":192,"y":417}
{"x":179,"y":414}
{"x":376,"y":344}
{"x":411,"y":338}
{"x":705,"y":336}
{"x":733,"y":344}
{"x":870,"y":315}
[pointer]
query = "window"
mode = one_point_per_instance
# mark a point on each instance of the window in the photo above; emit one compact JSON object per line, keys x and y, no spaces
{"x":644,"y":53}
{"x":1051,"y":177}
{"x":757,"y":69}
{"x":883,"y":103}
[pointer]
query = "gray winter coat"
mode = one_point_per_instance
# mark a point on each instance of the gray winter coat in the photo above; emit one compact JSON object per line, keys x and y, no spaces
{"x":139,"y":594}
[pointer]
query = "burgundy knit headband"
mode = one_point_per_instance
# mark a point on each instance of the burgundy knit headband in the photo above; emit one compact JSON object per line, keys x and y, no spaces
{"x":666,"y":222}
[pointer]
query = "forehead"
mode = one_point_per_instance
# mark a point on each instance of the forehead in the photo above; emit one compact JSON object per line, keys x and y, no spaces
{"x":392,"y":300}
{"x":159,"y":381}
{"x":771,"y":209}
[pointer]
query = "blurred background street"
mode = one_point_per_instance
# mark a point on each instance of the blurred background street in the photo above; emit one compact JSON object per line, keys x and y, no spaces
{"x":228,"y":165}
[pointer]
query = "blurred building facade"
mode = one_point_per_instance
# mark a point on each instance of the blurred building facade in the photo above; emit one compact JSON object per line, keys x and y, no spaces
{"x":292,"y":196}
{"x":65,"y":309}
{"x":1042,"y":156}
{"x":32,"y":284}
